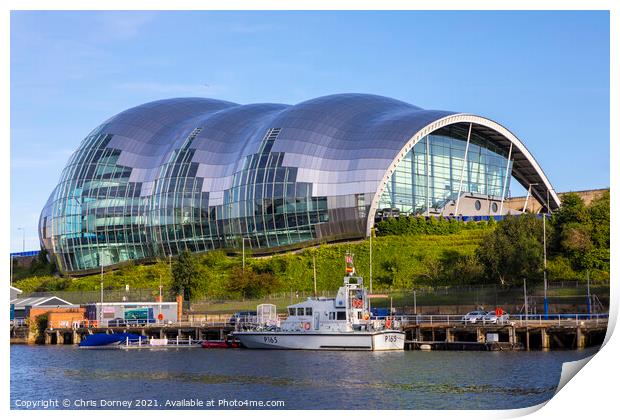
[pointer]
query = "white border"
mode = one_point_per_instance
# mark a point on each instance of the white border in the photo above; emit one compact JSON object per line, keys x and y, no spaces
{"x":591,"y":395}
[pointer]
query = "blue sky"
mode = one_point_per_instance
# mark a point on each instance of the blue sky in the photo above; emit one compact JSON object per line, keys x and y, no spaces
{"x":543,"y":75}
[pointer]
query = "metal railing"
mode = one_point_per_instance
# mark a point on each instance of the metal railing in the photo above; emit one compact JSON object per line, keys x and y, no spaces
{"x":513,"y":320}
{"x":532,"y":320}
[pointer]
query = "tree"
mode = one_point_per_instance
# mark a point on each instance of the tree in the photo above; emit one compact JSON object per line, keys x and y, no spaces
{"x":599,"y":216}
{"x":573,"y":210}
{"x":513,"y":250}
{"x":250,"y":284}
{"x":459,"y":268}
{"x":185,"y":279}
{"x":583,"y":232}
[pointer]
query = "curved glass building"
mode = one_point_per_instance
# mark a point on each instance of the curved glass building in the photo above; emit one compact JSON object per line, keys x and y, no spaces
{"x":200,"y":174}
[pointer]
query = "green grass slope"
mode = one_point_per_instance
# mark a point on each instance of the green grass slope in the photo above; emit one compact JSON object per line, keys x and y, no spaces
{"x":398,"y":262}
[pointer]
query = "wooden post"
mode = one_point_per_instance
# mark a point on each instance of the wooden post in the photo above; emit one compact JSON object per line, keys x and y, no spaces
{"x":77,"y":338}
{"x":544,"y":339}
{"x":60,"y":338}
{"x":527,"y":338}
{"x":581,"y":339}
{"x":512,"y":339}
{"x":449,"y":335}
{"x":480,"y":335}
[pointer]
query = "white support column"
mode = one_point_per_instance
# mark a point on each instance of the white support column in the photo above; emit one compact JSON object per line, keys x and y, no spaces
{"x":527,"y":197}
{"x":458,"y":197}
{"x":428,"y":176}
{"x":506,"y":177}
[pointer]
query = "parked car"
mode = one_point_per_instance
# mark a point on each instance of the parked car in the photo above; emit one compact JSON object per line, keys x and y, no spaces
{"x":492,"y":318}
{"x":473,"y":317}
{"x":117,"y":322}
{"x":243,"y":316}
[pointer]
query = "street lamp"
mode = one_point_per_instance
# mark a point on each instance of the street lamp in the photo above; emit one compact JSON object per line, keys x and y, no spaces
{"x":370,"y":261}
{"x":101,"y":288}
{"x":545,"y":300}
{"x":23,"y":238}
{"x":243,"y":254}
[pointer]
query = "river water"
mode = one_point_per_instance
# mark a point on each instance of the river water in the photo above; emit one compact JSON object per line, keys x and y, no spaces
{"x":65,"y":376}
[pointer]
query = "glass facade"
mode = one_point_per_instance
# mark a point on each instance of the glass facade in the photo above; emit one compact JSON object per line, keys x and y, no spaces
{"x":267,"y":206}
{"x":198,"y":174}
{"x":432,"y":172}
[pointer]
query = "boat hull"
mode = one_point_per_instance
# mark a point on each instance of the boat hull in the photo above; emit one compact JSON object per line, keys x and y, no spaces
{"x":360,"y":341}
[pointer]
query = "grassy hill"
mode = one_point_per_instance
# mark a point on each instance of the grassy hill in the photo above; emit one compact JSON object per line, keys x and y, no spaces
{"x":398,"y":262}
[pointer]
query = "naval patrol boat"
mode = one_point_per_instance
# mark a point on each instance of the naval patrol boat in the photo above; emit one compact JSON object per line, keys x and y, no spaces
{"x":340,"y":323}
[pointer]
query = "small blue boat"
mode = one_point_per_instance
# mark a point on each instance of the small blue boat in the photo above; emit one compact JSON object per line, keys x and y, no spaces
{"x":109,"y":340}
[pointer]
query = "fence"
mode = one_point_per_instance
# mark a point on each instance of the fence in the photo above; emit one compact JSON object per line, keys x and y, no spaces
{"x":530,"y":320}
{"x":91,"y":296}
{"x":559,"y":292}
{"x":564,"y":297}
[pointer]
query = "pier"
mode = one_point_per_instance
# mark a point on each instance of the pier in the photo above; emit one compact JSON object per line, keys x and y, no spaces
{"x":534,"y":332}
{"x":434,"y":332}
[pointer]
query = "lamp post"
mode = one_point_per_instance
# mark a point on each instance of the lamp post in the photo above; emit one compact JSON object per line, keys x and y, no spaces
{"x":370,"y":262}
{"x":546,"y":302}
{"x":243,"y":239}
{"x":23,"y":238}
{"x":314,"y":274}
{"x":101,"y":288}
{"x":525,"y":309}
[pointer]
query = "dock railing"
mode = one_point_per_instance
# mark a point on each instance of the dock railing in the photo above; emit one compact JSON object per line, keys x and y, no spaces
{"x":404,"y":321}
{"x":516,"y":320}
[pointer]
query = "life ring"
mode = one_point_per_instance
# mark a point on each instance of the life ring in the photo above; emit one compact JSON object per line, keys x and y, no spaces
{"x":307,"y":326}
{"x":366,"y":316}
{"x":160,"y":317}
{"x":388,"y":323}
